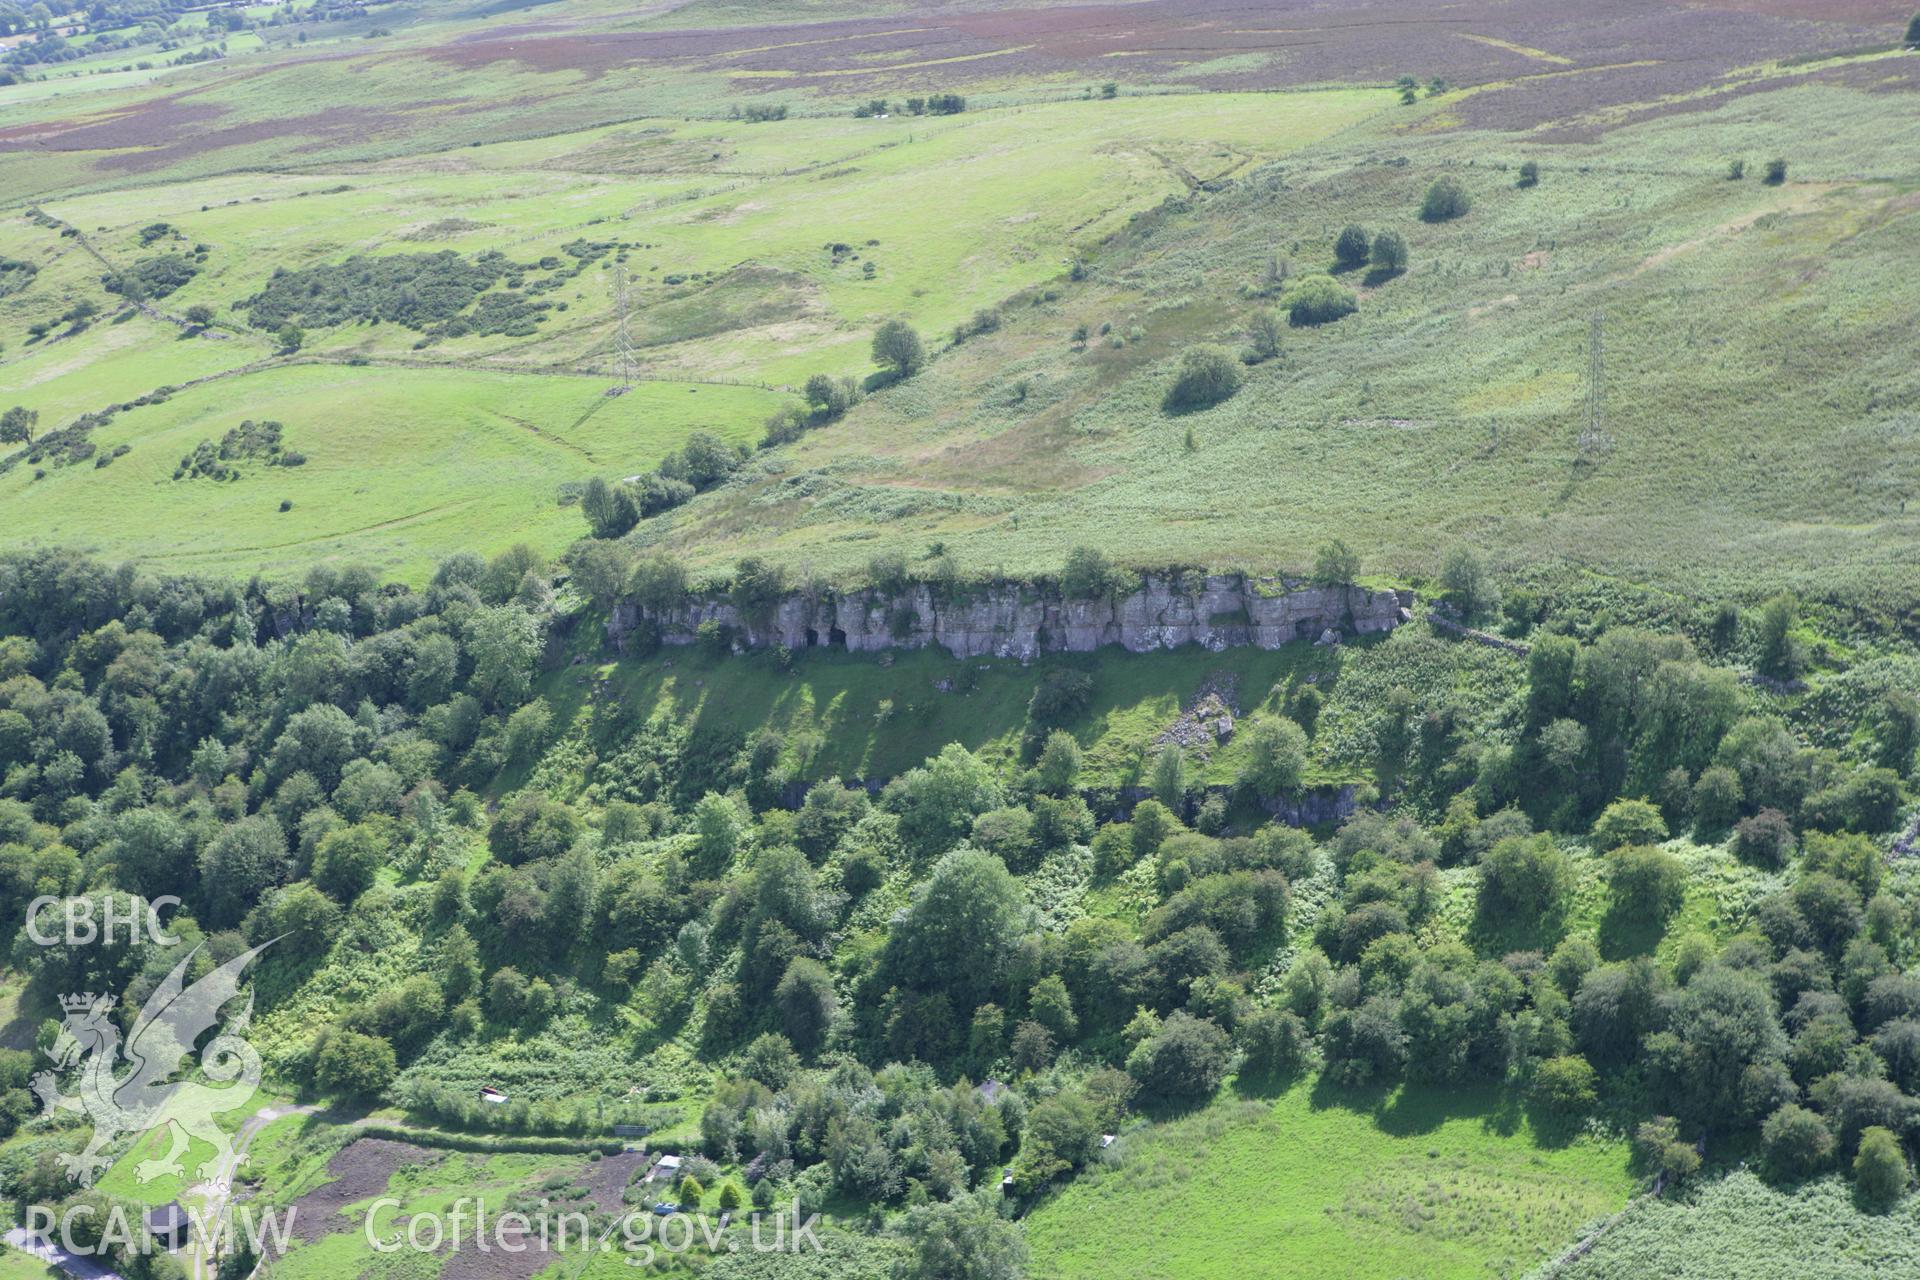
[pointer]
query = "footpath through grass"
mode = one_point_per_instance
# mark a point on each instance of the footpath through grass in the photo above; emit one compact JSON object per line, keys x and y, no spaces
{"x":1425,"y":1182}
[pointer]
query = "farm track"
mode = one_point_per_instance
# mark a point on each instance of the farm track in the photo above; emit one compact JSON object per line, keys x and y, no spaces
{"x":548,"y":437}
{"x":522,"y":369}
{"x":335,"y":535}
{"x":465,"y":366}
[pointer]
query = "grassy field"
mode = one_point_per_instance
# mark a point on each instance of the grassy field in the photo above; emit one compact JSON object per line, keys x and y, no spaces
{"x":122,"y":1180}
{"x":699,"y":201}
{"x":1424,"y":1183}
{"x":403,"y":467}
{"x":15,"y":1265}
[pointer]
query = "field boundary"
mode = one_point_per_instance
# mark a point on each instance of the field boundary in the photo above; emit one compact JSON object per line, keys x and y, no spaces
{"x":1587,"y":1243}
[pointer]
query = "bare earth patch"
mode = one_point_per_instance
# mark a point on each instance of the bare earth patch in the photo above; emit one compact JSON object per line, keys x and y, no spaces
{"x":361,"y":1170}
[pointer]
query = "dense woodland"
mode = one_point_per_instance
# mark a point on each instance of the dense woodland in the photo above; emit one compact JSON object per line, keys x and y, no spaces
{"x":331,"y":764}
{"x":1619,"y":842}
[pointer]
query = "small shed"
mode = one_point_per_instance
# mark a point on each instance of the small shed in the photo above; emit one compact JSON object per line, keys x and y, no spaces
{"x":169,"y":1226}
{"x":1106,"y":1140}
{"x":489,"y":1094}
{"x":666,"y":1169}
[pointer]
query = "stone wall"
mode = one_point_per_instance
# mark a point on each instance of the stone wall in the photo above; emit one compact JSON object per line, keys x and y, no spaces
{"x":1012,"y":620}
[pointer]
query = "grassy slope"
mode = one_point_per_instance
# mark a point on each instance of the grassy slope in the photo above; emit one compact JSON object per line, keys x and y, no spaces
{"x":874,"y":717}
{"x":1426,"y":1183}
{"x":469,"y":459}
{"x":16,"y":1029}
{"x":1760,"y":400}
{"x":1760,"y":395}
{"x":122,"y":1180}
{"x":840,"y":697}
{"x":1019,"y":188}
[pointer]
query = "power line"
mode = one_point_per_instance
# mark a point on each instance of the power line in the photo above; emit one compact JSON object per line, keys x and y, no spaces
{"x":623,"y":356}
{"x":1594,"y":440}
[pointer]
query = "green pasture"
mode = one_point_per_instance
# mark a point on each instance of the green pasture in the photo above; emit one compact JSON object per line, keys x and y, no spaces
{"x":730,"y":225}
{"x":32,"y":94}
{"x":1754,"y":436}
{"x":123,"y":1181}
{"x":1421,"y":1183}
{"x":16,"y":1265}
{"x":404,"y":466}
{"x":110,"y":362}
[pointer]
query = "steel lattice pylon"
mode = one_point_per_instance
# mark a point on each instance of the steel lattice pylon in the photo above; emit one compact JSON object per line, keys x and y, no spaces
{"x":1594,"y":439}
{"x":623,"y":357}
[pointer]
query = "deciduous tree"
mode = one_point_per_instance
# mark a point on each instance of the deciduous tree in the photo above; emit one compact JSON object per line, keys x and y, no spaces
{"x":897,"y":347}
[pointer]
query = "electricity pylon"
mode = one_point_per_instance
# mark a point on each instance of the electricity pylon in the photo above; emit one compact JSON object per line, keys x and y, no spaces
{"x":1594,"y":440}
{"x":623,"y":358}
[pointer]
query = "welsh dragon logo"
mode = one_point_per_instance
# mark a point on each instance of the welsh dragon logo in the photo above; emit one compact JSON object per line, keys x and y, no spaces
{"x":151,"y":1094}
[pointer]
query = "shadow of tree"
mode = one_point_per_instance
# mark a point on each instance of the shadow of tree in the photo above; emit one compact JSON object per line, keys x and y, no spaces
{"x":1490,"y":937}
{"x":1269,"y":1085}
{"x":1551,"y":1128}
{"x":1414,"y":1108}
{"x":1161,"y":1110}
{"x":1622,"y":936}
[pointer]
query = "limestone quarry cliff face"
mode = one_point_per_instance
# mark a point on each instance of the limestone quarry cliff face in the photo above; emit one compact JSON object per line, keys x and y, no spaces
{"x":1011,"y":620}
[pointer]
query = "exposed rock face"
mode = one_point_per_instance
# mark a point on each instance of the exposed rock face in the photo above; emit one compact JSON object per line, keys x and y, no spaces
{"x":1313,"y":807}
{"x":1018,"y":621}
